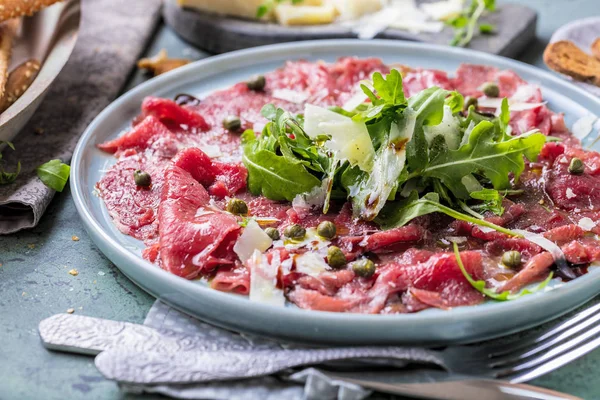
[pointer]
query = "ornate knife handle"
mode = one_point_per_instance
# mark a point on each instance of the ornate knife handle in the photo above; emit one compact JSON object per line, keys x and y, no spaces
{"x":202,"y":366}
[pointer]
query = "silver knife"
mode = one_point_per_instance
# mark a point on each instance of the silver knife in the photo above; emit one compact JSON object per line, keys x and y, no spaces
{"x":139,"y":354}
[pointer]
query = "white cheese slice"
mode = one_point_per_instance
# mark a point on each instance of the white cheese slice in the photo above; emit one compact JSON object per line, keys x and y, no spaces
{"x":252,"y":238}
{"x":292,"y":96}
{"x":353,"y":9}
{"x":587,"y":224}
{"x":350,"y":139}
{"x":288,"y":14}
{"x":583,"y":126}
{"x":263,"y":279}
{"x":311,"y":263}
{"x":441,"y":10}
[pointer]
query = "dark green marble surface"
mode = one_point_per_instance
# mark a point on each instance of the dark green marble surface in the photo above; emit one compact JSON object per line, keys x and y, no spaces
{"x":35,"y":281}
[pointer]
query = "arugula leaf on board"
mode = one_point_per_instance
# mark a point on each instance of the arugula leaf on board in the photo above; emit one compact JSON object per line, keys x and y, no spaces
{"x":54,"y":174}
{"x":467,"y":22}
{"x":494,"y":160}
{"x":480,"y":285}
{"x":399,"y":213}
{"x":8,"y":177}
{"x":268,"y":5}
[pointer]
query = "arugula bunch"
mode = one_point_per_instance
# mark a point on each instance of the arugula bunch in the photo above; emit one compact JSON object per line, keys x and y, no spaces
{"x":429,"y":157}
{"x":467,"y":22}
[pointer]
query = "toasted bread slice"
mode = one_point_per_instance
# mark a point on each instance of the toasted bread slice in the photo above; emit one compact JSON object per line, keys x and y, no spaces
{"x":18,"y":8}
{"x":596,"y":49}
{"x":8,"y":31}
{"x":565,"y":57}
{"x":18,"y":82}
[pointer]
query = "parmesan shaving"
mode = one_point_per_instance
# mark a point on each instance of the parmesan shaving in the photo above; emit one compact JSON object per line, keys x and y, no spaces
{"x":586,"y":224}
{"x":311,"y":263}
{"x":544,"y":243}
{"x":583,"y":126}
{"x":292,"y":96}
{"x":252,"y":239}
{"x":263,"y":279}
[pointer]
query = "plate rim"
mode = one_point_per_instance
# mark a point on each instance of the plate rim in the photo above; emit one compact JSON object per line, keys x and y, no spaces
{"x":103,"y":238}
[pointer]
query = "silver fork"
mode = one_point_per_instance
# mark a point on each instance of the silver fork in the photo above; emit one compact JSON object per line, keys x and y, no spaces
{"x":518,"y":360}
{"x":526,"y":358}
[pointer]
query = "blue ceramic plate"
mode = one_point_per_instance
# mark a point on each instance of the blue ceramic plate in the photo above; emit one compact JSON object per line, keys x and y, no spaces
{"x":462,"y":324}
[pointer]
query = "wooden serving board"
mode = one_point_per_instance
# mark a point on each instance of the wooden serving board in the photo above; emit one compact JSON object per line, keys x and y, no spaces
{"x":515,"y":28}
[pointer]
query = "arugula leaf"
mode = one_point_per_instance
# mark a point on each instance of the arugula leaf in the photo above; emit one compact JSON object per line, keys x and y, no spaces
{"x":8,"y":177}
{"x":479,"y":285}
{"x":466,"y":22}
{"x":389,"y":88}
{"x":273,"y":176}
{"x":456,"y":102}
{"x":494,"y":160}
{"x":427,"y":108}
{"x":492,"y":200}
{"x":399,"y":213}
{"x":54,"y":174}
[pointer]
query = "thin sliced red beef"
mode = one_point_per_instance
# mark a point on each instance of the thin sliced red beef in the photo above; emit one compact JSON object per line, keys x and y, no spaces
{"x":236,"y":280}
{"x":194,"y":238}
{"x":174,"y":115}
{"x":138,"y":137}
{"x":419,"y":79}
{"x":381,"y":239}
{"x":535,"y":270}
{"x":220,"y":179}
{"x":132,"y":208}
{"x":571,"y":191}
{"x":583,"y":251}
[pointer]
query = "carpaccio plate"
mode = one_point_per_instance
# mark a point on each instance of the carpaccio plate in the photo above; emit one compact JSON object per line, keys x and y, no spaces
{"x":459,"y":324}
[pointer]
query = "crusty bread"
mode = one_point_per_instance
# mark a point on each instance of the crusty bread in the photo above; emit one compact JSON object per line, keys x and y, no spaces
{"x":18,"y":8}
{"x":8,"y":30}
{"x":596,"y":49}
{"x":565,"y":57}
{"x":18,"y":82}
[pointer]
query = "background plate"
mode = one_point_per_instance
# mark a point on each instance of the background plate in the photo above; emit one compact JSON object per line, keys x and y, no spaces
{"x":515,"y":28}
{"x":236,"y":312}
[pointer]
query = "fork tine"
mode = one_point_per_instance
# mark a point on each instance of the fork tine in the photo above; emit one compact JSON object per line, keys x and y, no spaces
{"x":501,"y":349}
{"x":557,"y":362}
{"x":552,"y":354}
{"x":542,"y":345}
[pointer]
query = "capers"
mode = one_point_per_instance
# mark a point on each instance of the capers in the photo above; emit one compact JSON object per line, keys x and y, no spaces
{"x":142,"y":178}
{"x":256,"y":83}
{"x":237,"y":207}
{"x":335,"y":257}
{"x":273,"y":233}
{"x":232,"y":123}
{"x":470,"y":101}
{"x":576,"y":167}
{"x":490,"y":89}
{"x":511,"y":259}
{"x":364,"y":267}
{"x":326,"y":229}
{"x":295,"y":232}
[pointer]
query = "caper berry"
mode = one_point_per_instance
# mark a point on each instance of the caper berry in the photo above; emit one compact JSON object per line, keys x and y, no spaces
{"x":273,"y":233}
{"x":470,"y":101}
{"x":335,"y":257}
{"x":232,"y":123}
{"x":237,"y":207}
{"x":364,"y":268}
{"x":326,"y":229}
{"x":295,"y":232}
{"x":576,"y":167}
{"x":490,"y":89}
{"x":256,"y":83}
{"x":511,"y":259}
{"x":142,"y":178}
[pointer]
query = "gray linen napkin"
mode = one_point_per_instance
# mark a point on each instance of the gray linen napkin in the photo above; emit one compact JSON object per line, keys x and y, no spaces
{"x":112,"y":35}
{"x":310,"y":384}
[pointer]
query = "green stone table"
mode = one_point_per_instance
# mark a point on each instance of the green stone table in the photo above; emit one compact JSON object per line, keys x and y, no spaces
{"x":35,"y":282}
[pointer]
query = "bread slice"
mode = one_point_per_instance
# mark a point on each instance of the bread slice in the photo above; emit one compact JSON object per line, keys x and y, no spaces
{"x":565,"y":57}
{"x":8,"y":31}
{"x":596,"y":49}
{"x":18,"y":8}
